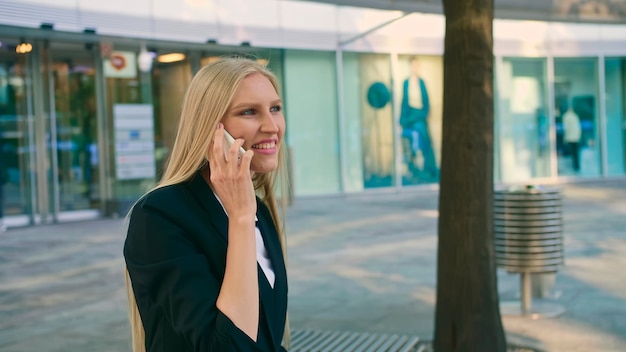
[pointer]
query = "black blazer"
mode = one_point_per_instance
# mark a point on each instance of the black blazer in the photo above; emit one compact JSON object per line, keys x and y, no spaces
{"x":175,"y":251}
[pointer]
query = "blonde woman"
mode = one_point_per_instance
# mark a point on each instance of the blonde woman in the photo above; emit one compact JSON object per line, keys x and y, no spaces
{"x":203,"y":250}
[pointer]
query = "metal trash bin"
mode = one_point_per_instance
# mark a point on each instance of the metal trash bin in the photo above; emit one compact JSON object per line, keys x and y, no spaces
{"x":528,"y":230}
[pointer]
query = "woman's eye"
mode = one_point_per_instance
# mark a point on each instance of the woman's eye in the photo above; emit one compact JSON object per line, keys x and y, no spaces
{"x":276,"y":108}
{"x":247,"y":112}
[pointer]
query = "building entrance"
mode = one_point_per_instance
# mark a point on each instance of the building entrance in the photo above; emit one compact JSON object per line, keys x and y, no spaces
{"x":69,"y":74}
{"x":17,"y":171}
{"x":49,"y":164}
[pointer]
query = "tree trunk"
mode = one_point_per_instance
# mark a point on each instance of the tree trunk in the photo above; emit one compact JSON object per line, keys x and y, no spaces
{"x":467,"y":316}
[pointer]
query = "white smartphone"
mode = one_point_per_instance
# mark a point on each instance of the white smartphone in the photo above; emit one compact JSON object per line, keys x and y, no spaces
{"x":228,"y":142}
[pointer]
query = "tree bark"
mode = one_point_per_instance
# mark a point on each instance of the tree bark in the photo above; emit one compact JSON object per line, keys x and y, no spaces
{"x":467,"y":316}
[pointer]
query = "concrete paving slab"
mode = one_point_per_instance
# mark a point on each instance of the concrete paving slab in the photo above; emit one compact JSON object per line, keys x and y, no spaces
{"x":364,"y":263}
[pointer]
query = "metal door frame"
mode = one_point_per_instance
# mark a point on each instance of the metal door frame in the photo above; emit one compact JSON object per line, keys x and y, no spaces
{"x":44,"y":208}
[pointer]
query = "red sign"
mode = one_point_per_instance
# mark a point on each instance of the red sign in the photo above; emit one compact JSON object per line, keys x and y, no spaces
{"x":118,"y":61}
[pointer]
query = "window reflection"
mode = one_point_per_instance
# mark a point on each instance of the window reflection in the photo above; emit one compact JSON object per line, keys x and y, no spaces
{"x":576,"y":117}
{"x":376,"y":121}
{"x":420,"y":116}
{"x":15,"y":143}
{"x":522,"y":123}
{"x":615,"y":72}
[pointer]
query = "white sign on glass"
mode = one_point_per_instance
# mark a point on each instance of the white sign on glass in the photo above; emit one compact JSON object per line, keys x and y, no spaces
{"x":134,"y":141}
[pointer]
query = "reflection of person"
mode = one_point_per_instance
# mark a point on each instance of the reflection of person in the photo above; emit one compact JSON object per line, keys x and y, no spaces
{"x":414,"y":121}
{"x":204,"y":256}
{"x":572,"y":134}
{"x":543,"y":130}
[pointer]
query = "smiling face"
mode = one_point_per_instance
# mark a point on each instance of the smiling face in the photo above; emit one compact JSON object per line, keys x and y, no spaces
{"x":255,"y":114}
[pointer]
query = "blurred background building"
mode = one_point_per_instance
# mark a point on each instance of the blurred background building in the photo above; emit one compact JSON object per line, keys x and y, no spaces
{"x":90,"y":92}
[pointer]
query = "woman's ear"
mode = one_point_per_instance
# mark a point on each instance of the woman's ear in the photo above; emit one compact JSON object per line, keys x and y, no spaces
{"x":208,"y":152}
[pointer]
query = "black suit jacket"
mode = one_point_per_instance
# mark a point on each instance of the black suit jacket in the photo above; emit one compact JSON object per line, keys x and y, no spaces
{"x":175,"y":252}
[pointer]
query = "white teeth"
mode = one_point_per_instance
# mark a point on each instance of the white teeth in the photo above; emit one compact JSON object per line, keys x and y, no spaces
{"x":264,"y":146}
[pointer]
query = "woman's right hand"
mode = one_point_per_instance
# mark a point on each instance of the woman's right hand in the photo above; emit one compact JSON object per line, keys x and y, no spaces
{"x":231,"y":178}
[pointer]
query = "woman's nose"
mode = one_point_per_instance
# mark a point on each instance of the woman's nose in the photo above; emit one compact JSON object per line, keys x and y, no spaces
{"x":269,"y":124}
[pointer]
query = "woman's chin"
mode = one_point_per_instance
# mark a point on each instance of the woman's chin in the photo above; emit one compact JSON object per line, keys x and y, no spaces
{"x":263,"y":168}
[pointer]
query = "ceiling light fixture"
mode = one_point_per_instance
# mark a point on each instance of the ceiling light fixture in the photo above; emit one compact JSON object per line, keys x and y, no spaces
{"x":171,"y":57}
{"x":24,"y":48}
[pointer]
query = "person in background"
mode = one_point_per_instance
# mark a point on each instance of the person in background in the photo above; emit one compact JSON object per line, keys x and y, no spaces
{"x":204,"y":255}
{"x":414,"y":113}
{"x":572,"y":134}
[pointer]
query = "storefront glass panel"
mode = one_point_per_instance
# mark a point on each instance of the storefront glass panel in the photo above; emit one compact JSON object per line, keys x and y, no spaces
{"x":16,"y":124}
{"x":352,"y":142}
{"x":615,"y":80}
{"x":134,"y":134}
{"x":376,"y":119}
{"x":311,"y":117}
{"x":169,"y":83}
{"x":522,"y":148}
{"x":69,"y":79}
{"x":420,"y":104}
{"x":577,"y":123}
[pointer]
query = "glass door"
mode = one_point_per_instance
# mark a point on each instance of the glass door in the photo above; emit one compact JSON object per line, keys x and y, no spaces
{"x":17,"y":196}
{"x":71,"y":138}
{"x":577,"y":118}
{"x":615,"y":82}
{"x":523,"y":146}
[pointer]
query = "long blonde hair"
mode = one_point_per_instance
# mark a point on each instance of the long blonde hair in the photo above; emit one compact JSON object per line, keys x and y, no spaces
{"x":206,"y":101}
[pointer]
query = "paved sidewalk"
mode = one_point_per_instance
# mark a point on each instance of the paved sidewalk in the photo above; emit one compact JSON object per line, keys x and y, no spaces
{"x":363,"y":263}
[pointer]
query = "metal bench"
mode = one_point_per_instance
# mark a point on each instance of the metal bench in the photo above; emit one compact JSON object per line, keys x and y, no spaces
{"x":340,"y":341}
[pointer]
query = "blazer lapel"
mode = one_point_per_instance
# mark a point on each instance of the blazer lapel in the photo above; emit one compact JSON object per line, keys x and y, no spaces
{"x":205,"y":196}
{"x":273,"y":300}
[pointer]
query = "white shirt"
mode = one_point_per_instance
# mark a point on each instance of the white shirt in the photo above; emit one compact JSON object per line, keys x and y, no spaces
{"x":262,"y":257}
{"x":571,"y":124}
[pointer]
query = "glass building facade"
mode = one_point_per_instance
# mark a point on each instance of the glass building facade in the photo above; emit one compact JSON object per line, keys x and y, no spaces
{"x":87,"y":119}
